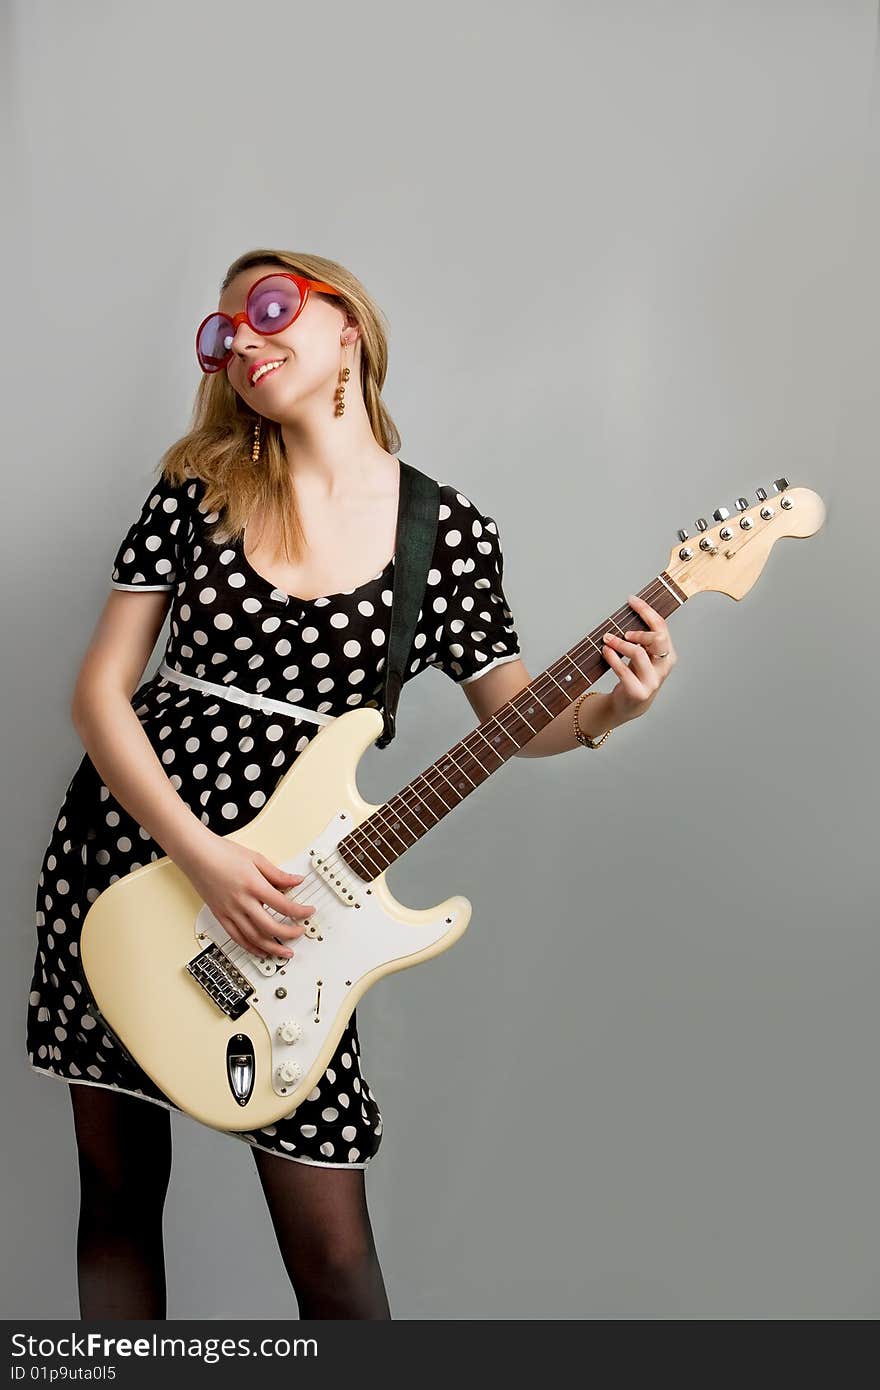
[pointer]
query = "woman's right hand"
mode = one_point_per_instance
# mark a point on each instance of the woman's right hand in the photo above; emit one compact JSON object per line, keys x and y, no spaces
{"x":238,"y":883}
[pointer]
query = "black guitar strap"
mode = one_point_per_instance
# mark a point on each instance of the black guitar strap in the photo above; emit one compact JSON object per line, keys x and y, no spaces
{"x":417,"y":518}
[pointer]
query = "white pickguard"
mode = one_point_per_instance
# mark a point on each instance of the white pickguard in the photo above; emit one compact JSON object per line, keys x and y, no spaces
{"x":343,"y":943}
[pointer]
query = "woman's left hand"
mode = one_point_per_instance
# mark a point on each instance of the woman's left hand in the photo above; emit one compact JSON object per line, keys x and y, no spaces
{"x":648,"y":666}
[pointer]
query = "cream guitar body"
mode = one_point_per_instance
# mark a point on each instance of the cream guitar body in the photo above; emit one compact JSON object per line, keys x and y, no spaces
{"x":236,"y":1040}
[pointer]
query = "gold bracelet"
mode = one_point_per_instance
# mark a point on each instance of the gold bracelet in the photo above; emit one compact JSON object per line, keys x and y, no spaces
{"x":578,"y":731}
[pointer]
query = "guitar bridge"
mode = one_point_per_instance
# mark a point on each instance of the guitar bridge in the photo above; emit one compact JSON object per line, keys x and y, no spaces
{"x":221,"y":980}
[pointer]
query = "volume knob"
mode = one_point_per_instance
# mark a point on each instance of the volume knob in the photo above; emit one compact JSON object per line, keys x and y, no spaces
{"x":289,"y":1031}
{"x":288,"y":1072}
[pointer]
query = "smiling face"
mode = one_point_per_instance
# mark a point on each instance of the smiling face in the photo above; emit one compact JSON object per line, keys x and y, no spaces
{"x":310,"y":352}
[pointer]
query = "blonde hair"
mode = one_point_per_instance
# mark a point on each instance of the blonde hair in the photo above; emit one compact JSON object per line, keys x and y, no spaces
{"x":217,"y":448}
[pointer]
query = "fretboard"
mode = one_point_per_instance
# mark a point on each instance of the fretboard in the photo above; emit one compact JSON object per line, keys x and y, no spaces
{"x":389,"y":832}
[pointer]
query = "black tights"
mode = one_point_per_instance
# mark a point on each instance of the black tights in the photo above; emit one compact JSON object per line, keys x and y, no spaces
{"x":319,"y":1214}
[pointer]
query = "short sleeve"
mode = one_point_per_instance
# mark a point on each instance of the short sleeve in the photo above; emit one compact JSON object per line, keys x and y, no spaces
{"x":150,"y":553}
{"x":478,"y":631}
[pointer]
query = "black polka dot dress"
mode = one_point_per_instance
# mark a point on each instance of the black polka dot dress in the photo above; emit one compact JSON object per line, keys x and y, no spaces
{"x":232,"y":627}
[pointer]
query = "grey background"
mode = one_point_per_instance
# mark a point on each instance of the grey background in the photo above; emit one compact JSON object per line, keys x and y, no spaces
{"x":628,"y":253}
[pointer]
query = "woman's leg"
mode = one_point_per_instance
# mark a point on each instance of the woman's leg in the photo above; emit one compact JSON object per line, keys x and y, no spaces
{"x":124,"y":1146}
{"x":324,"y":1234}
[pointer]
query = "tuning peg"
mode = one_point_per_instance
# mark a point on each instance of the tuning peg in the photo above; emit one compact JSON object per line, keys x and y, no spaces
{"x":780,"y":484}
{"x":742,"y":503}
{"x":761,"y":494}
{"x":702,"y":524}
{"x":682,"y":534}
{"x":721,"y":514}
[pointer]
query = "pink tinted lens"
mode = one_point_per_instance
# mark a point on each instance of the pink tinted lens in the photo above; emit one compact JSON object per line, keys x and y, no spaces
{"x":214,"y":342}
{"x":272,"y":303}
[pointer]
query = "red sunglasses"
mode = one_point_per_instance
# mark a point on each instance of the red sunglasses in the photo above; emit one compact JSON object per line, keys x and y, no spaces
{"x":273,"y":302}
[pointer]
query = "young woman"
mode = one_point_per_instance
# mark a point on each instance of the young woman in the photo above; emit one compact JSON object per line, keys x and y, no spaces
{"x":259,"y":532}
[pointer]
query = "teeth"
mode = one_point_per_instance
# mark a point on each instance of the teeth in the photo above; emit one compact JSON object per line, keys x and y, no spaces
{"x":261,"y":371}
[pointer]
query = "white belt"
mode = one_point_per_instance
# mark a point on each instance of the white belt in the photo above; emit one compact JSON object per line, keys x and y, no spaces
{"x":245,"y":697}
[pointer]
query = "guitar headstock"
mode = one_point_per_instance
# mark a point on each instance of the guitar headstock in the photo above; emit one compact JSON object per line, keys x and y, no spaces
{"x":730,"y":555}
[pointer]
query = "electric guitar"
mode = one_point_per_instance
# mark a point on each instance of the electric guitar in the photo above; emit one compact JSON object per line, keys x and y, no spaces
{"x":238,"y":1040}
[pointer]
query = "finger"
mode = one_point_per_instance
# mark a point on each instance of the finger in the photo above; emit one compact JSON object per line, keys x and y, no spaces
{"x":651,"y":616}
{"x":252,"y":941}
{"x":620,"y":643}
{"x":291,"y":925}
{"x":647,"y":639}
{"x":278,"y":931}
{"x":281,"y":878}
{"x":288,"y":907}
{"x":656,"y":643}
{"x":638,"y":657}
{"x":233,"y":932}
{"x":277,"y":899}
{"x":638,"y":654}
{"x":270,"y":938}
{"x":634,"y":650}
{"x":616,"y":662}
{"x":628,"y":679}
{"x":647,"y":669}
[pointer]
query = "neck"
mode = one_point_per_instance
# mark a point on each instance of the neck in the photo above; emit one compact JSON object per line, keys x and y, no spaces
{"x":389,"y":832}
{"x":330,"y":457}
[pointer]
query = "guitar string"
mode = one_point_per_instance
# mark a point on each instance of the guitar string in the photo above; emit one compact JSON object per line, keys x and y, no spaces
{"x":313,"y":884}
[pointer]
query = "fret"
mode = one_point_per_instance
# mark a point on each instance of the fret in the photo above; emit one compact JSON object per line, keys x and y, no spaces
{"x":385,"y":835}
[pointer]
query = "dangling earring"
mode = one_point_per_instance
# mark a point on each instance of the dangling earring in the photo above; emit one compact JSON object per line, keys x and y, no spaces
{"x":340,"y":391}
{"x":255,"y":451}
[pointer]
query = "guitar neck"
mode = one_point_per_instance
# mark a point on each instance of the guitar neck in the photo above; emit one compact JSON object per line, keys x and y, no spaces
{"x":384,"y":836}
